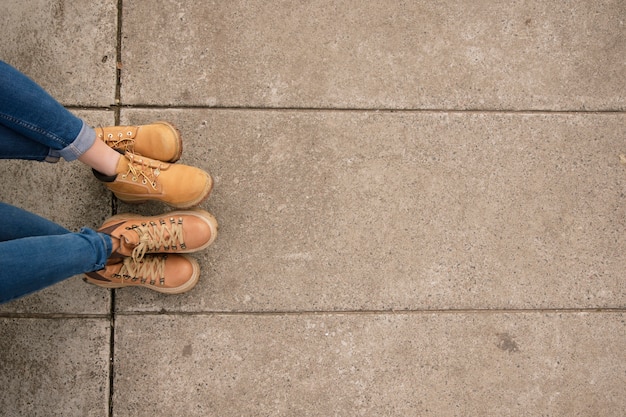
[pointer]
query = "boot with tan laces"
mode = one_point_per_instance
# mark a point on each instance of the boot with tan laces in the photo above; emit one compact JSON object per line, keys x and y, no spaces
{"x":140,"y":179}
{"x":158,"y":140}
{"x":183,"y":231}
{"x":169,"y":274}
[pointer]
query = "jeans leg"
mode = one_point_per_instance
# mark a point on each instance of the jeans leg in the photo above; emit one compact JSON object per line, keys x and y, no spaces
{"x":14,"y":145}
{"x":19,"y":223}
{"x":30,"y":111}
{"x":33,"y":263}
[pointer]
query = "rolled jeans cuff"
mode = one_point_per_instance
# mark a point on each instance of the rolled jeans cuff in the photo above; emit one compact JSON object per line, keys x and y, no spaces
{"x":85,"y":140}
{"x":108,"y":249}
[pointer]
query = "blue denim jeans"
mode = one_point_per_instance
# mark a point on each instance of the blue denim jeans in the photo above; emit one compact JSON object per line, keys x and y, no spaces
{"x":34,"y":252}
{"x":33,"y":125}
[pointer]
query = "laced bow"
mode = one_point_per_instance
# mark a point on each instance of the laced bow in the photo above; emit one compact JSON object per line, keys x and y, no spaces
{"x":148,"y":268}
{"x":120,"y":140}
{"x":141,"y":168}
{"x":154,"y":237}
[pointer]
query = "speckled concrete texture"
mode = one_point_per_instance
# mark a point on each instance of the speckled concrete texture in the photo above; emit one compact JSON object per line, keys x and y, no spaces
{"x":68,"y":46}
{"x":481,"y":54}
{"x":421,"y":209}
{"x":479,"y":364}
{"x":54,"y":367}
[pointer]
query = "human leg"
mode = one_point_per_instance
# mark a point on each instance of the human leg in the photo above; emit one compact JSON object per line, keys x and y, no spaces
{"x":32,"y":263}
{"x":36,"y":253}
{"x":35,"y":126}
{"x":18,"y":223}
{"x":129,"y":250}
{"x":30,"y":111}
{"x":14,"y":145}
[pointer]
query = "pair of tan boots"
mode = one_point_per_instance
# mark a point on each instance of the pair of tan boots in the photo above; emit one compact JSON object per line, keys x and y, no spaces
{"x":149,"y":251}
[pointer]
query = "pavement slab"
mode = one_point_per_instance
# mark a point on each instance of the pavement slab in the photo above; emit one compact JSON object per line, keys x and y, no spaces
{"x":465,"y":364}
{"x":327,"y":210}
{"x":481,"y":54}
{"x":54,"y":367}
{"x":68,"y":47}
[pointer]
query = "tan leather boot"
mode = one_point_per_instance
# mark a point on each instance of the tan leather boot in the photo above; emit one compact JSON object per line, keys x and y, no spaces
{"x":170,"y":274}
{"x":158,"y":140}
{"x":140,"y":179}
{"x":175,"y":232}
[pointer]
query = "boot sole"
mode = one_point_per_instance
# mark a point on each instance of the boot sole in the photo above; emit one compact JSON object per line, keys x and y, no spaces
{"x":209,"y":219}
{"x":195,"y":276}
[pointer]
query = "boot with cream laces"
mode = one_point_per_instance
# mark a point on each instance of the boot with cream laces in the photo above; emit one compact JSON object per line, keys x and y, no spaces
{"x":158,"y":140}
{"x":169,"y":274}
{"x":182,"y":231}
{"x":140,"y":179}
{"x":147,"y":250}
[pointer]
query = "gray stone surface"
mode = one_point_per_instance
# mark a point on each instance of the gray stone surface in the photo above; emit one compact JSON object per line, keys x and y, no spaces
{"x":54,"y":367}
{"x":66,"y":46}
{"x":481,"y":54}
{"x":377,"y":210}
{"x":68,"y":194}
{"x":480,"y":364}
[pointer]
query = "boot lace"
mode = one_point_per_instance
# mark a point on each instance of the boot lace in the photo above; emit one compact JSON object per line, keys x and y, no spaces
{"x":140,"y":168}
{"x":149,"y":269}
{"x":153,"y":236}
{"x":119,"y":140}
